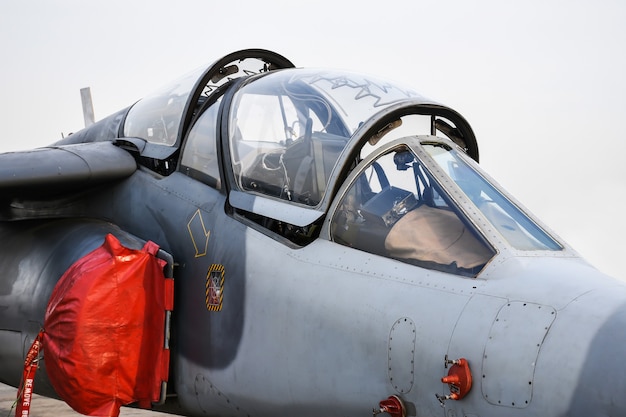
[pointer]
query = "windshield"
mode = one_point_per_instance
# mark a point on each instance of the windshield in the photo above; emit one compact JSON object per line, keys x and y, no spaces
{"x":157,"y":117}
{"x":288,"y":128}
{"x":512,"y":223}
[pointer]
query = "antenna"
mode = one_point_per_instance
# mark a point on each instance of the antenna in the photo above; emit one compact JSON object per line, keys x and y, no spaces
{"x":85,"y":98}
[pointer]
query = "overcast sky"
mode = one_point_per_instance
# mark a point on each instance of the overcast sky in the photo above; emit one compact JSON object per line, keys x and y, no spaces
{"x":543,"y":83}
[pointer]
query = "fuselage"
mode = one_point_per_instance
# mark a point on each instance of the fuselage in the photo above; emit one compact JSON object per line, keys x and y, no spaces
{"x":327,"y":329}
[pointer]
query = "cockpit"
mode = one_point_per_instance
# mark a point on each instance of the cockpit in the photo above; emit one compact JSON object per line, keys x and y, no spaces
{"x":396,"y":208}
{"x":416,"y":200}
{"x":287,"y":129}
{"x":363,"y":162}
{"x":294,"y":132}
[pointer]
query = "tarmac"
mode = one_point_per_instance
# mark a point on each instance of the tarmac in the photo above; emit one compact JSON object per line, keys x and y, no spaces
{"x":47,"y":407}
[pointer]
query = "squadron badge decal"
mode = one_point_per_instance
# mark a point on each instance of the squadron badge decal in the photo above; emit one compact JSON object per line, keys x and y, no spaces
{"x":215,"y":287}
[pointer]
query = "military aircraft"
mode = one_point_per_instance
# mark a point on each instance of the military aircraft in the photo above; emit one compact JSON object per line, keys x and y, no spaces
{"x":335,"y":250}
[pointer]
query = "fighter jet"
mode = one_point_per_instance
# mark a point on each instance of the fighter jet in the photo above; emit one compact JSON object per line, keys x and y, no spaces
{"x":257,"y":239}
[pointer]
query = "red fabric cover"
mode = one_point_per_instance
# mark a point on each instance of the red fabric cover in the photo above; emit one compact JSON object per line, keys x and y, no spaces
{"x":104,"y":330}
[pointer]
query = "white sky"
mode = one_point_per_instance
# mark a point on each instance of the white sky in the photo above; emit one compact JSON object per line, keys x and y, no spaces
{"x":543,"y":83}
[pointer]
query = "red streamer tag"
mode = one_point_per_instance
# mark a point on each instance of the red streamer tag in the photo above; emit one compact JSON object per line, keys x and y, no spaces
{"x":25,"y":393}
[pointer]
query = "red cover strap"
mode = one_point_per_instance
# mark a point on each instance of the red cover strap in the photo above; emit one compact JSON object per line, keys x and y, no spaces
{"x":25,"y":393}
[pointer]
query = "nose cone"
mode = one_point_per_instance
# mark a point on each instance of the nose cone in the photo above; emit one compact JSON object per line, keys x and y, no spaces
{"x":601,"y":387}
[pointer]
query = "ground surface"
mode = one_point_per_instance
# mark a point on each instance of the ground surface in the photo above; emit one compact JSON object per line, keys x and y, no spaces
{"x":46,"y":407}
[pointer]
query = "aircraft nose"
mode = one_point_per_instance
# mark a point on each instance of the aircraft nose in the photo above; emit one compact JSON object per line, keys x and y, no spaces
{"x":601,"y":386}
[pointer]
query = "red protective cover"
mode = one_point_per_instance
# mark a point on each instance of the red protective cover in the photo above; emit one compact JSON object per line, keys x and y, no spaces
{"x":104,"y":330}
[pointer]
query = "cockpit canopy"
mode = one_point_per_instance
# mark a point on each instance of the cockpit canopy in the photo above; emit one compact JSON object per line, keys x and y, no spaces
{"x":289,"y":128}
{"x":163,"y":117}
{"x":390,"y":171}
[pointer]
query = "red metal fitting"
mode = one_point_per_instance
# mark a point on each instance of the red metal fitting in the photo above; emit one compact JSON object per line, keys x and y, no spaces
{"x":459,"y":379}
{"x":392,"y":406}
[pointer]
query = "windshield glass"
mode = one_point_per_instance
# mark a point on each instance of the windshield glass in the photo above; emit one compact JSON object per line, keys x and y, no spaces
{"x":513,"y":224}
{"x":356,"y":97}
{"x":156,"y":118}
{"x":288,"y":128}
